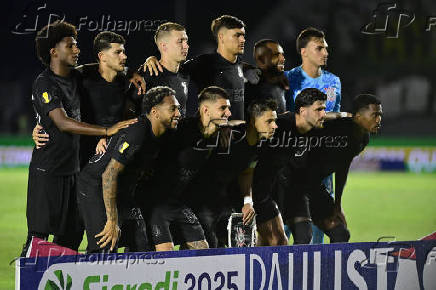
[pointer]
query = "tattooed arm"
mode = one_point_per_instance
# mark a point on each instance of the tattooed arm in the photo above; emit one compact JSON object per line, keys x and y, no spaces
{"x":111,"y":231}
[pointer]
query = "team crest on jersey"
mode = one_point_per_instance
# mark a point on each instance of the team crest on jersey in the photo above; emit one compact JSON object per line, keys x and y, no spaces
{"x":46,"y":97}
{"x":123,"y":147}
{"x":185,"y":88}
{"x":331,"y":94}
{"x":240,"y":73}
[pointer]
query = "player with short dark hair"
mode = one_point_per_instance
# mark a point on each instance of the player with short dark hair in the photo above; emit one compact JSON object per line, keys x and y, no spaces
{"x":223,"y":68}
{"x":313,"y":49}
{"x":51,"y":196}
{"x":107,"y":96}
{"x":170,"y":219}
{"x":107,"y":184}
{"x":229,"y":174}
{"x":286,"y":147}
{"x":333,"y":149}
{"x":272,"y":84}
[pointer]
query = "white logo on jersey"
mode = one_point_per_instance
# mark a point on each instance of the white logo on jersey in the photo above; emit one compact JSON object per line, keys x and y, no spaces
{"x":185,"y":88}
{"x":240,"y":73}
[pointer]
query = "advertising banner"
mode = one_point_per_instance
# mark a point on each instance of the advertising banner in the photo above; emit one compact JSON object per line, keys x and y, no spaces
{"x":396,"y":265}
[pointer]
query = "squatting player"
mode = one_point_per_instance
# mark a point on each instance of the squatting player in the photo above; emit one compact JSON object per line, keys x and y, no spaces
{"x":287,"y":147}
{"x":51,"y":196}
{"x":312,"y":47}
{"x":107,"y":184}
{"x":335,"y":146}
{"x":228,"y":175}
{"x":170,"y":219}
{"x":223,"y":68}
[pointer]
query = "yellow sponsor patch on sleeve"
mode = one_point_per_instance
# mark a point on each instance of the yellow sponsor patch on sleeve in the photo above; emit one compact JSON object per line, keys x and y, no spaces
{"x":123,"y":147}
{"x":46,"y":97}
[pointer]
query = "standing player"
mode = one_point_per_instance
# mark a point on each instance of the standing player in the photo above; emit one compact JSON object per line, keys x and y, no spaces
{"x":51,"y":196}
{"x":336,"y":146}
{"x":172,"y":42}
{"x":223,"y":68}
{"x":107,"y":184}
{"x":106,"y":97}
{"x":312,"y":47}
{"x":272,"y":84}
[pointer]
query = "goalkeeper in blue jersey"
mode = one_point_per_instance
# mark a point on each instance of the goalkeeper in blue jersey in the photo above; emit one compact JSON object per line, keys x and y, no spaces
{"x":312,"y":47}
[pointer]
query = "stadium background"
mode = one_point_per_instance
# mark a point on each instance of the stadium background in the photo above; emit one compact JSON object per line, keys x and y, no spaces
{"x":392,"y":189}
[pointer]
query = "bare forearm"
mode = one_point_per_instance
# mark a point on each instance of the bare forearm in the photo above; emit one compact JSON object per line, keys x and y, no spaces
{"x":70,"y":125}
{"x":81,"y":128}
{"x":110,"y":185}
{"x":245,"y":182}
{"x":337,"y":115}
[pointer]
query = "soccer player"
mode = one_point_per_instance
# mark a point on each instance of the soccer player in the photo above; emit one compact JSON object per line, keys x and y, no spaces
{"x":106,"y":97}
{"x":215,"y":193}
{"x":312,"y":47}
{"x":287,"y":146}
{"x":334,"y":148}
{"x":51,"y":195}
{"x":107,"y":184}
{"x":172,"y":41}
{"x":170,"y":219}
{"x":223,"y":68}
{"x":272,"y":84}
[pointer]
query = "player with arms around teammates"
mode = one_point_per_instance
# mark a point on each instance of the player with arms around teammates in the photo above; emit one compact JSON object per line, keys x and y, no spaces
{"x":51,"y":196}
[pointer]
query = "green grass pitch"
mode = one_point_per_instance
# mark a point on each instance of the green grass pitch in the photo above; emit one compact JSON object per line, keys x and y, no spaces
{"x":399,"y":205}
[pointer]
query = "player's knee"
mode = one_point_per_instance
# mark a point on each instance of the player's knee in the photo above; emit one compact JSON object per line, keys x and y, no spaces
{"x":280,"y":240}
{"x":164,"y":247}
{"x":302,"y":232}
{"x":338,"y":234}
{"x":197,"y":245}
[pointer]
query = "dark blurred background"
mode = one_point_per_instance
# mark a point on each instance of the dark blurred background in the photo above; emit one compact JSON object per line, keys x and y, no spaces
{"x":392,"y":60}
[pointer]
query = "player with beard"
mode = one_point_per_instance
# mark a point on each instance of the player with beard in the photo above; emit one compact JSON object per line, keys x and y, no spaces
{"x":312,"y":47}
{"x":272,"y":84}
{"x":170,"y":219}
{"x":106,"y":97}
{"x":214,"y":194}
{"x":107,"y":184}
{"x":335,"y":147}
{"x":223,"y":68}
{"x":287,"y":147}
{"x":172,"y":42}
{"x":51,"y":196}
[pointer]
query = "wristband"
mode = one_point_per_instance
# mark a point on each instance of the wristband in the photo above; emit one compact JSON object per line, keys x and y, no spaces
{"x":248,"y":199}
{"x":344,"y":114}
